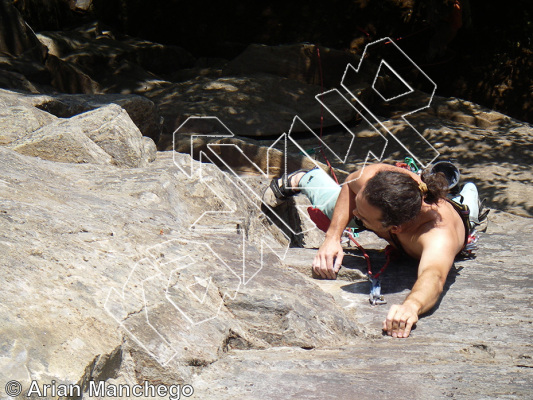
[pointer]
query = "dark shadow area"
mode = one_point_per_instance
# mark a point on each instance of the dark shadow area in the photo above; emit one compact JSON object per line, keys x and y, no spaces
{"x":287,"y":219}
{"x":450,"y":280}
{"x":401,"y":273}
{"x":473,"y":49}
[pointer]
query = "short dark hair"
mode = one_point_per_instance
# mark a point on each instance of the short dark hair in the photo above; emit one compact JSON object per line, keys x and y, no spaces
{"x":399,"y":197}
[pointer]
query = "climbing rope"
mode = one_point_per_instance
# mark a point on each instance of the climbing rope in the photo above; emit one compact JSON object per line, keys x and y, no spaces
{"x":376,"y":297}
{"x":322,"y":116}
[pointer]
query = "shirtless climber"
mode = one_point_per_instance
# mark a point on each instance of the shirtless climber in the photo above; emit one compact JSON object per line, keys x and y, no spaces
{"x":409,"y":211}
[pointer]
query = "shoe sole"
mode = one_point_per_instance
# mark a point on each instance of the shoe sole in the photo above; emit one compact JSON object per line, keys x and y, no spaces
{"x":270,"y":199}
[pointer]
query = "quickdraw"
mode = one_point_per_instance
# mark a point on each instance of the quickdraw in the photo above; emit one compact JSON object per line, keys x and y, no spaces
{"x":409,"y":164}
{"x":375,"y":298}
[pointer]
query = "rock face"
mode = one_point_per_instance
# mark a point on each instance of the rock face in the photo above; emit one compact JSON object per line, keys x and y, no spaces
{"x":112,"y":129}
{"x":477,"y":344}
{"x":62,"y":142}
{"x":171,"y":273}
{"x":93,"y":242}
{"x":142,"y":111}
{"x":120,"y":275}
{"x":106,"y":135}
{"x":122,"y":264}
{"x":17,"y":121}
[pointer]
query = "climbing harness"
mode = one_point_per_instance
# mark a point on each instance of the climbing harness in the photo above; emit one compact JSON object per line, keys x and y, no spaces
{"x":472,"y":235}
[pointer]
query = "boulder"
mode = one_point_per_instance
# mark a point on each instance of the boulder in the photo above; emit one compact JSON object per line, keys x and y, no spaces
{"x":61,"y":141}
{"x":141,"y":110}
{"x":112,"y":129}
{"x":18,"y":121}
{"x":244,"y":156}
